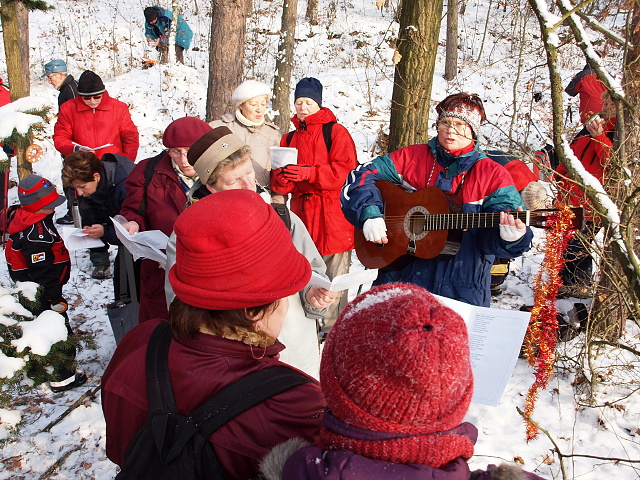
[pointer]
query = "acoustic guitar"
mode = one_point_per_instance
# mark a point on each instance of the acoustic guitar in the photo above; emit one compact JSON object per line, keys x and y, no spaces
{"x":427,"y":223}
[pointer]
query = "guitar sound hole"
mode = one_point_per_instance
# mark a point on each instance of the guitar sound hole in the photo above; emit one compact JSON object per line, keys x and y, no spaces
{"x":417,"y":222}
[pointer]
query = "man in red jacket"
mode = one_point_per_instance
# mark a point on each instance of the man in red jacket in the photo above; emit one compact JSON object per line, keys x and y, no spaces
{"x":95,"y":122}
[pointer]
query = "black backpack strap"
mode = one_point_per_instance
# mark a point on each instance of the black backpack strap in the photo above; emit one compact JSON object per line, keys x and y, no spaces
{"x":289,"y":137}
{"x":244,"y":394}
{"x":326,"y":133}
{"x":149,"y":170}
{"x":159,"y":390}
{"x":283,"y":212}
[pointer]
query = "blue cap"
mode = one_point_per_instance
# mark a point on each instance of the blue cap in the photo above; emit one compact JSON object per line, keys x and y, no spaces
{"x":54,"y":66}
{"x":309,"y":87}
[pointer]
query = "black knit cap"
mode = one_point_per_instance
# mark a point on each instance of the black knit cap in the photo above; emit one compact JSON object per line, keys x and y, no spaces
{"x":90,"y":84}
{"x":150,"y":14}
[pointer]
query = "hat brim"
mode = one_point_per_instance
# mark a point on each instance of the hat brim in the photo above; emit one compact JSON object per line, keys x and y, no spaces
{"x":57,"y":202}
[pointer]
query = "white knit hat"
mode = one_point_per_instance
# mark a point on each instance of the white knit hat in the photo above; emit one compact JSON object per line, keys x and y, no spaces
{"x":249,"y":89}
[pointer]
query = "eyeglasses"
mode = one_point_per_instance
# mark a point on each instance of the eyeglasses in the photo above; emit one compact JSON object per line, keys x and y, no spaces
{"x":458,"y":126}
{"x":89,"y":97}
{"x":178,"y":153}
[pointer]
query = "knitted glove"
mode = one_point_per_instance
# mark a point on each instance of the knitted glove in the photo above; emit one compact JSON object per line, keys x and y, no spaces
{"x":374,"y":229}
{"x":297,"y":173}
{"x":60,"y":307}
{"x":511,"y":233}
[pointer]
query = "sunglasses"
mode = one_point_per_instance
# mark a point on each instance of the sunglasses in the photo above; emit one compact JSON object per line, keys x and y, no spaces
{"x":89,"y":97}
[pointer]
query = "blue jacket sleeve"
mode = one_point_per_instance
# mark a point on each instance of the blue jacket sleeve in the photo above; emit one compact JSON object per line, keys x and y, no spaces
{"x":360,"y":198}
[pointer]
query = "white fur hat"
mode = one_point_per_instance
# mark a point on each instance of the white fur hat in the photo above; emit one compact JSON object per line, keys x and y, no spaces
{"x":249,"y":89}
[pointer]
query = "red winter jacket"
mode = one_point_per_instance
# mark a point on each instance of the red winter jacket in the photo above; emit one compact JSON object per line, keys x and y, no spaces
{"x":199,"y":368}
{"x":110,"y":122}
{"x":5,"y":96}
{"x":317,"y":201}
{"x":166,"y":199}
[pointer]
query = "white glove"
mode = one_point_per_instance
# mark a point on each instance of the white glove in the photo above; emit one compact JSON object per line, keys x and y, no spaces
{"x":374,"y":229}
{"x":511,"y":233}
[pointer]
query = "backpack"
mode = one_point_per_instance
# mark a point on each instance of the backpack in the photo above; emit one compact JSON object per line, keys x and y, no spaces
{"x":171,"y":446}
{"x":110,"y":161}
{"x":326,"y":133}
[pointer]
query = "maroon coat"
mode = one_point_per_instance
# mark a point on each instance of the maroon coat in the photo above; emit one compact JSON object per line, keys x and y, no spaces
{"x":110,"y":123}
{"x":166,"y":199}
{"x":317,"y":201}
{"x":199,"y":368}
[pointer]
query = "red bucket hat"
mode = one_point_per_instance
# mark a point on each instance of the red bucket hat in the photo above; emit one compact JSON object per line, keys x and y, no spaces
{"x":233,"y":251}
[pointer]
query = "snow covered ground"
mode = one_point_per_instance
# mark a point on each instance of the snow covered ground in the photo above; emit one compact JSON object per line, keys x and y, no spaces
{"x":349,"y":52}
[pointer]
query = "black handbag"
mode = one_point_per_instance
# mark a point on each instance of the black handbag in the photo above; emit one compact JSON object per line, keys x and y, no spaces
{"x":123,"y":313}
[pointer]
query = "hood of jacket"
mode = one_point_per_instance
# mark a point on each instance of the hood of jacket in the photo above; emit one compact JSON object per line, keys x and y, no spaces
{"x":23,"y":219}
{"x":322,"y":116}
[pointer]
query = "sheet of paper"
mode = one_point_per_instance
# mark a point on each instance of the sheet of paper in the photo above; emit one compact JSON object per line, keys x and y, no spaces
{"x":90,"y":149}
{"x":283,"y":156}
{"x":495,"y":338}
{"x":344,"y":282}
{"x":75,"y":239}
{"x":143,"y":244}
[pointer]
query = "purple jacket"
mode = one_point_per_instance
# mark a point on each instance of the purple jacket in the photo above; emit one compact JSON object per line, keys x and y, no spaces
{"x":312,"y":463}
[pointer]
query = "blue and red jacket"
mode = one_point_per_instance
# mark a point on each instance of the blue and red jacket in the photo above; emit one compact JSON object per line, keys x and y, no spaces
{"x":36,"y":253}
{"x":480,"y":185}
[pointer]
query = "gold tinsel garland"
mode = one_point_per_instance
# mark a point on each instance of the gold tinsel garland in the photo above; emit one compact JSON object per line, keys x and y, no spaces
{"x":541,"y":337}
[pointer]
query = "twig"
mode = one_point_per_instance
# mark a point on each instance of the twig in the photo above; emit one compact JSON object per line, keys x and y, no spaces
{"x":51,"y":470}
{"x":88,"y":394}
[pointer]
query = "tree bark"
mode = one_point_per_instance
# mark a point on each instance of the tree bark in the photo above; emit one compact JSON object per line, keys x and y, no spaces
{"x":226,"y":54}
{"x":284,"y":65}
{"x":15,"y":33}
{"x":312,"y":12}
{"x":451,"y":52}
{"x":413,"y":77}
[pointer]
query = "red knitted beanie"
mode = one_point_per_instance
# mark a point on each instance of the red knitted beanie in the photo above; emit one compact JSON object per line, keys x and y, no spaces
{"x":184,"y":131}
{"x":397,"y":361}
{"x":233,"y":251}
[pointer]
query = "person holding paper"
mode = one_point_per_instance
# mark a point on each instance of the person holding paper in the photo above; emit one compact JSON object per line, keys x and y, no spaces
{"x":95,"y":122}
{"x":223,"y":162}
{"x":250,"y":124}
{"x":452,"y":162}
{"x":396,"y":376}
{"x":326,"y":155}
{"x":156,"y":194}
{"x":99,"y":185}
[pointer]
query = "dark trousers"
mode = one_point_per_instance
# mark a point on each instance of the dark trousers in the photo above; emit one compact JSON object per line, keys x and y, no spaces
{"x":578,"y":266}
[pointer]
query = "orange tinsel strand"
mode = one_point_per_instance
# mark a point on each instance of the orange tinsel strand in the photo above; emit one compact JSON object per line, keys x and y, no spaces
{"x":540,"y":340}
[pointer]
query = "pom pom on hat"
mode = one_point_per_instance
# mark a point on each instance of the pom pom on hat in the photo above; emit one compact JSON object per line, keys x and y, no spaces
{"x":233,"y":251}
{"x":35,"y":192}
{"x":309,"y":87}
{"x":249,"y":89}
{"x":213,"y":147}
{"x":89,"y":84}
{"x":184,"y":131}
{"x":397,"y":361}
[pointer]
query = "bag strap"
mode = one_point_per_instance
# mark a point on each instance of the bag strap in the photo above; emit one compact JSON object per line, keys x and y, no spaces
{"x":244,"y":394}
{"x":149,"y":170}
{"x":283,"y":212}
{"x":159,"y":391}
{"x":327,"y":128}
{"x":126,"y":275}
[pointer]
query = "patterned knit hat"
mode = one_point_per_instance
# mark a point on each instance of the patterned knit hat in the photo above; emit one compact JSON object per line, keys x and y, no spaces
{"x":184,"y":131}
{"x":212,"y":148}
{"x":465,"y":112}
{"x":233,"y":251}
{"x":397,"y":363}
{"x":35,"y":192}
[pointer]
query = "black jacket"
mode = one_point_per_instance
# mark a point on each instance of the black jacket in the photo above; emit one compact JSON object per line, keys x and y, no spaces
{"x":68,"y":90}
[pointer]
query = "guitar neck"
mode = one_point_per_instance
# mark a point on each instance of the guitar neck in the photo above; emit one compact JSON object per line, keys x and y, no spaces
{"x":463,"y":221}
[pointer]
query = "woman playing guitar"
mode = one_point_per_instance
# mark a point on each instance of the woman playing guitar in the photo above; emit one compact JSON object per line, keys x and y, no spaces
{"x":453,"y":163}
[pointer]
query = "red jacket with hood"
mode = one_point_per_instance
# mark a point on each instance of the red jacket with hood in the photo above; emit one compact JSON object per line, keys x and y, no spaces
{"x":317,"y":200}
{"x":109,"y":122}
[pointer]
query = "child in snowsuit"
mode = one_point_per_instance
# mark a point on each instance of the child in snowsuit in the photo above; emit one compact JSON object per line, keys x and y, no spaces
{"x":36,"y":253}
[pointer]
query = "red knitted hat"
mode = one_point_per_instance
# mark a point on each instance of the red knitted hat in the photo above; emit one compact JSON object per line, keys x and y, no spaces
{"x":233,"y":251}
{"x":184,"y":131}
{"x":397,"y":361}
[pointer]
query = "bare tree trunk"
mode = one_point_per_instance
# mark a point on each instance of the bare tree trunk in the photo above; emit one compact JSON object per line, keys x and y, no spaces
{"x":226,"y":54}
{"x":413,"y":78}
{"x":284,"y":65}
{"x":312,"y":12}
{"x":15,"y":33}
{"x":451,"y":53}
{"x":172,"y":32}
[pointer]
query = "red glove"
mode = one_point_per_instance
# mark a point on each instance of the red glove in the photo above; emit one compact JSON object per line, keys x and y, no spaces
{"x":297,"y":173}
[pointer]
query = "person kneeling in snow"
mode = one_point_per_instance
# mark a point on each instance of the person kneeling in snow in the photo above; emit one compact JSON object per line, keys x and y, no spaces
{"x":36,"y":253}
{"x":396,"y":377}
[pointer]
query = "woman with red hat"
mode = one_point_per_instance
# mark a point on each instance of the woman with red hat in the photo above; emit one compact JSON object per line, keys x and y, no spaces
{"x":156,"y":194}
{"x":231,"y":298}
